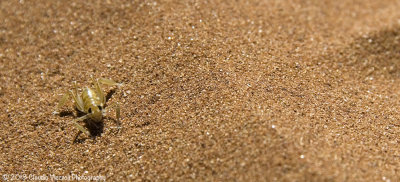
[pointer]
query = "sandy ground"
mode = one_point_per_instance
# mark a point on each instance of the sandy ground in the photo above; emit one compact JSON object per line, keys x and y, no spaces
{"x":290,"y":90}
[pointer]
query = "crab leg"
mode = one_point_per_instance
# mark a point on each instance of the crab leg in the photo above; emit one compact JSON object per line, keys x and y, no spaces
{"x":61,"y":103}
{"x":80,"y":127}
{"x":106,"y":81}
{"x":117,"y":112}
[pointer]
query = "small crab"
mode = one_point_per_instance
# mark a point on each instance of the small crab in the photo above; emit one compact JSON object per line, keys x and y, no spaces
{"x":91,"y":102}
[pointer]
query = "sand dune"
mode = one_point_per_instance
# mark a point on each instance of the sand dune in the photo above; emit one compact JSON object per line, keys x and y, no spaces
{"x":213,"y":90}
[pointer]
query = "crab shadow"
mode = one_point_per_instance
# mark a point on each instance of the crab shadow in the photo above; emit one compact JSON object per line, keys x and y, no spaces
{"x":95,"y":128}
{"x":110,"y":94}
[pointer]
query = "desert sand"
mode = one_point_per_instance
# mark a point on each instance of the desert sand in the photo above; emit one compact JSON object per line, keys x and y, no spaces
{"x":263,"y":90}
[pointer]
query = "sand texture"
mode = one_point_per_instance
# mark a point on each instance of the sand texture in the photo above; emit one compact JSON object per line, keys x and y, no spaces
{"x":260,"y":90}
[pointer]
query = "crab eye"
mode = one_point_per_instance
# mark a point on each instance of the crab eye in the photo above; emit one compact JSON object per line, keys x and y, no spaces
{"x":90,"y":110}
{"x":100,"y":108}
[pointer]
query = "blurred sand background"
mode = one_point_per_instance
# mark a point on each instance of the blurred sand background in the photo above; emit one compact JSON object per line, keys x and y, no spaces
{"x":291,"y":90}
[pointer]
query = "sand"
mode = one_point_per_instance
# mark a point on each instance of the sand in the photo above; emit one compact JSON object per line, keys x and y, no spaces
{"x":289,"y":90}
